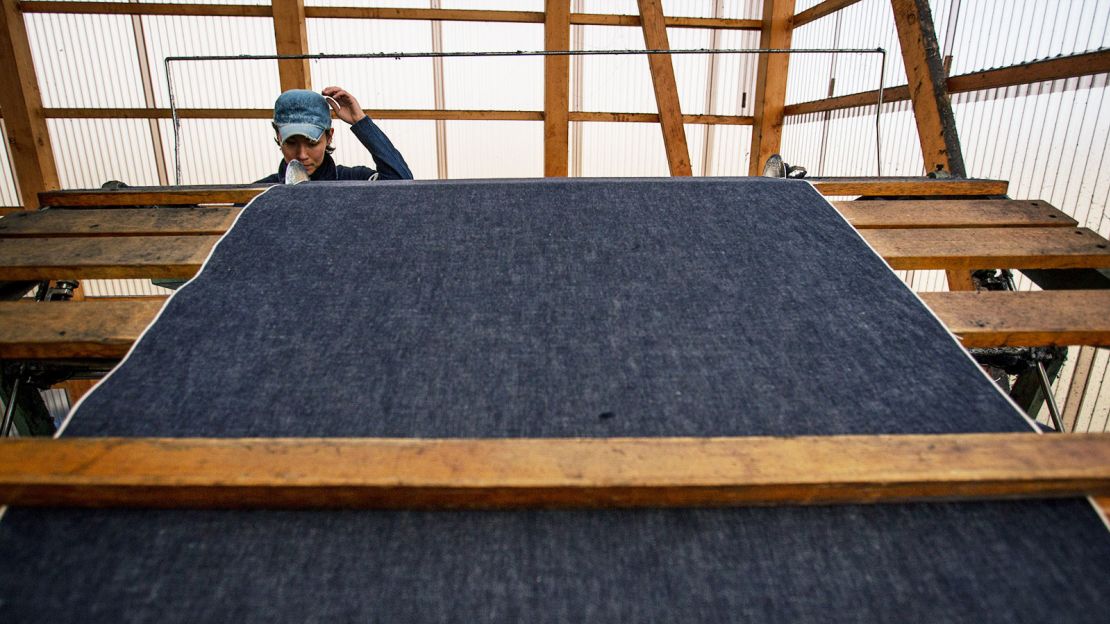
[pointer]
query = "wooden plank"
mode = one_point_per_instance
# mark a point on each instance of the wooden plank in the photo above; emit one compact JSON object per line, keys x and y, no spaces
{"x":986,"y":248}
{"x":904,"y":214}
{"x":105,"y":328}
{"x":1077,"y":388}
{"x":239,"y":194}
{"x":666,"y":89}
{"x":32,"y":156}
{"x":69,"y":330}
{"x":117,"y":222}
{"x":129,"y":8}
{"x":155,"y":196}
{"x":888,"y":187}
{"x":1028,"y":319}
{"x":958,"y":213}
{"x":936,"y":124}
{"x":817,"y":11}
{"x":291,"y":38}
{"x":103,"y":257}
{"x":770,"y":83}
{"x":959,"y":280}
{"x":515,"y":473}
{"x":556,"y":89}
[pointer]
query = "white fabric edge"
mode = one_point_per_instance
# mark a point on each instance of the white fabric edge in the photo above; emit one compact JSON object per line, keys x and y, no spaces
{"x":1032,"y":423}
{"x":73,"y":410}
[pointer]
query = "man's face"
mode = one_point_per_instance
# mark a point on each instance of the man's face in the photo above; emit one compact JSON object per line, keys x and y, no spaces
{"x":310,"y":153}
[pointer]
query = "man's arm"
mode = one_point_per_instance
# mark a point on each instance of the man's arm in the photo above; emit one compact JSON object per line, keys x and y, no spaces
{"x":389,"y":162}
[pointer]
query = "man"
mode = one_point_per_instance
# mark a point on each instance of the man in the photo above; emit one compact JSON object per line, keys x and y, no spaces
{"x":302,"y":121}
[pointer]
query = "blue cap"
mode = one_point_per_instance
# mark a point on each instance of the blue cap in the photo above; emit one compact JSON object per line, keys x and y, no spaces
{"x":301,"y":112}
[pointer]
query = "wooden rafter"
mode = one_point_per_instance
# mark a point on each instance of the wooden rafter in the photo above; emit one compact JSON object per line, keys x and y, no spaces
{"x":28,"y":137}
{"x":817,"y":11}
{"x":666,"y":88}
{"x":770,"y":82}
{"x":1072,"y":66}
{"x":513,"y":473}
{"x":556,"y":89}
{"x":291,"y":36}
{"x":936,"y":125}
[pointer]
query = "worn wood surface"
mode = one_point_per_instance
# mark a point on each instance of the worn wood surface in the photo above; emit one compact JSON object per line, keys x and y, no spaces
{"x":666,"y":89}
{"x":986,"y":248}
{"x":31,"y":155}
{"x":556,"y":89}
{"x":241,"y":194}
{"x":936,"y":124}
{"x":941,"y":248}
{"x":73,"y":329}
{"x":959,"y":213}
{"x":770,"y":83}
{"x":106,"y":328}
{"x":511,"y":473}
{"x":100,"y":257}
{"x":1040,"y":318}
{"x":962,"y":213}
{"x":119,"y":221}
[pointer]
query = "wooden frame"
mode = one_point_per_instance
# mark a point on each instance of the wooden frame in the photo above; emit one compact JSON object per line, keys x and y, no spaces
{"x":666,"y":89}
{"x":514,"y":473}
{"x":770,"y":83}
{"x":291,"y":38}
{"x":556,"y":89}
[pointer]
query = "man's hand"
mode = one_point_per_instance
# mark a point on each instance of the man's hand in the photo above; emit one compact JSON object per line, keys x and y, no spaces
{"x":344,"y":104}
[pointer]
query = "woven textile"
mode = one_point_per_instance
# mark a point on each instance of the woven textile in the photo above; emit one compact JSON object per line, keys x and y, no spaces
{"x":564,"y":308}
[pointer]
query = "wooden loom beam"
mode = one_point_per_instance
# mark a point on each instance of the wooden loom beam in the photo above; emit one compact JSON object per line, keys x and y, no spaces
{"x":106,"y":328}
{"x":516,"y":473}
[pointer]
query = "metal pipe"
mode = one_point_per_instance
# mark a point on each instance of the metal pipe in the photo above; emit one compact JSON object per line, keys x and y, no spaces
{"x":879,"y":118}
{"x":1050,"y":400}
{"x":401,"y":55}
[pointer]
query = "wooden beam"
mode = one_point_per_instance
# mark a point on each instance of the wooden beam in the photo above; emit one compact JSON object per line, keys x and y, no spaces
{"x":385,"y":13}
{"x":817,"y":11}
{"x":291,"y":38}
{"x":32,"y":156}
{"x":770,"y":83}
{"x":903,"y":214}
{"x":551,"y":473}
{"x":666,"y":89}
{"x":155,"y":196}
{"x":106,"y":327}
{"x":118,"y":222}
{"x":986,"y":248}
{"x":1027,"y":319}
{"x":556,"y":89}
{"x":239,"y":194}
{"x":951,"y":213}
{"x":936,"y":125}
{"x":1061,"y":68}
{"x":168,"y":257}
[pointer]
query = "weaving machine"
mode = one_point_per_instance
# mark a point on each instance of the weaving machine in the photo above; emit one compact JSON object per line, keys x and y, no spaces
{"x":582,"y":347}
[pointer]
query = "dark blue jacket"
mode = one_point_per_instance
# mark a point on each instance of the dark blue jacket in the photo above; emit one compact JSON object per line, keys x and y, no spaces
{"x":391,"y":165}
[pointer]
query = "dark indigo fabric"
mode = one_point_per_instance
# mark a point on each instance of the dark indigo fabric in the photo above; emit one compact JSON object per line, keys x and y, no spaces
{"x":681,"y":307}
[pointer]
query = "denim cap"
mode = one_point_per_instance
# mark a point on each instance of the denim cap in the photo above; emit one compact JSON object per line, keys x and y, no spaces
{"x":301,"y":112}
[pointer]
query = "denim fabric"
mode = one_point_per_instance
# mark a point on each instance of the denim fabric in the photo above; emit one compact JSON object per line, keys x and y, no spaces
{"x":674,"y":307}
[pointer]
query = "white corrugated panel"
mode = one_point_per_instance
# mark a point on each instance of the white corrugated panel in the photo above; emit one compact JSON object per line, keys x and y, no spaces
{"x":9,"y":196}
